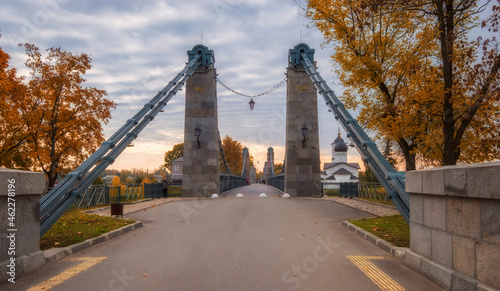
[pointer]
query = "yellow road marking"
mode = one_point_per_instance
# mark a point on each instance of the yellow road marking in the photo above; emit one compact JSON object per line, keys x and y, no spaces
{"x":374,"y":273}
{"x":56,"y":280}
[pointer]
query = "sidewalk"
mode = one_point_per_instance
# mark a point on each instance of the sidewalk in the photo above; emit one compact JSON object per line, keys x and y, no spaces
{"x":367,"y":206}
{"x":137,"y":206}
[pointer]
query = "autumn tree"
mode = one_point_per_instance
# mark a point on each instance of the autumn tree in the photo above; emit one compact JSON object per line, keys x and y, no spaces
{"x":233,"y":150}
{"x":116,"y":181}
{"x":63,"y":117}
{"x":278,"y":168}
{"x":12,"y":129}
{"x":376,"y":64}
{"x":176,"y":152}
{"x":418,"y":80}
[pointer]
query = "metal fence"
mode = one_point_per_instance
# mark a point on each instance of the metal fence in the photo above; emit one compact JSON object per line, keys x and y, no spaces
{"x":349,"y":189}
{"x":228,"y":182}
{"x":277,"y":181}
{"x":365,"y":190}
{"x":96,"y":195}
{"x":153,"y":190}
{"x":372,"y":191}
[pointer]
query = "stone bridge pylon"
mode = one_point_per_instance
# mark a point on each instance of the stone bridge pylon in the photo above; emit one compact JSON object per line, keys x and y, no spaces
{"x":201,"y":172}
{"x":302,"y":159}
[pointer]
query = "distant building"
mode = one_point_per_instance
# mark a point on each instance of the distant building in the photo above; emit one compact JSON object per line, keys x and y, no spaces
{"x":177,"y":164}
{"x":108,"y":179}
{"x":339,"y":170}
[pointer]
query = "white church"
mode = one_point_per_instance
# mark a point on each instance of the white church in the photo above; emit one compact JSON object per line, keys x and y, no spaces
{"x":339,"y":170}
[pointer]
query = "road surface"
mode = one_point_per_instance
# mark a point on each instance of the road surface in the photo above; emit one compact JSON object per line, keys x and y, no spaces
{"x":233,"y":244}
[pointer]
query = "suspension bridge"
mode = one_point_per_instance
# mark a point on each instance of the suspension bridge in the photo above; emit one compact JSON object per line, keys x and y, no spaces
{"x":202,"y":143}
{"x":236,"y":244}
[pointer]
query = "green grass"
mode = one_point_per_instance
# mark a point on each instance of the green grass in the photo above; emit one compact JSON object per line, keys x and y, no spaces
{"x":75,"y":226}
{"x":390,"y":228}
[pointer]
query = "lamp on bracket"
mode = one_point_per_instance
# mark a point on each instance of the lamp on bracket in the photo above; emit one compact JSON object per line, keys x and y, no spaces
{"x":197,"y":132}
{"x":304,"y":130}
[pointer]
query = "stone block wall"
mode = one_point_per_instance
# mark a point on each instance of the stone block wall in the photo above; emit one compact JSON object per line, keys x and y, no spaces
{"x":302,"y":162}
{"x":20,"y":237}
{"x":455,"y":220}
{"x":201,"y":173}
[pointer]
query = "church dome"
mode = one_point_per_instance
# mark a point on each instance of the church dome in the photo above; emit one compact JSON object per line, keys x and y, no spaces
{"x":336,"y":141}
{"x":340,"y":146}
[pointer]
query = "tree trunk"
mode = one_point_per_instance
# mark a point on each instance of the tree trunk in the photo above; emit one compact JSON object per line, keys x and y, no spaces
{"x":445,"y":13}
{"x":410,"y":158}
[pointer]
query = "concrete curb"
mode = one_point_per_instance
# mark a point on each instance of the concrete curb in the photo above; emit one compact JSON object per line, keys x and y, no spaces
{"x":59,"y":253}
{"x":384,"y":245}
{"x":443,"y":276}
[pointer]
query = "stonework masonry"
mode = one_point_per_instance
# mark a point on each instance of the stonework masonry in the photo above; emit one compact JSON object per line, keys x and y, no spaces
{"x":302,"y":161}
{"x":248,"y":170}
{"x":20,"y":241}
{"x":455,"y":222}
{"x":201,"y":173}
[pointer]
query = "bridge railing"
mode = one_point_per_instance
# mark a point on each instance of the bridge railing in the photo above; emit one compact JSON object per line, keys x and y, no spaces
{"x":277,"y":181}
{"x":373,"y":191}
{"x":228,"y":182}
{"x":97,"y":195}
{"x":365,"y":190}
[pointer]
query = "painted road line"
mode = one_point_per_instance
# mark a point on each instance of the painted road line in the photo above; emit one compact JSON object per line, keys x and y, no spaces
{"x":87,"y":262}
{"x":374,"y":273}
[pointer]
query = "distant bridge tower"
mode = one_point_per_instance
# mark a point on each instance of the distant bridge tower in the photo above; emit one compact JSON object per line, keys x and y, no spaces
{"x":269,"y":165}
{"x":302,"y":162}
{"x":201,"y":173}
{"x":246,"y":169}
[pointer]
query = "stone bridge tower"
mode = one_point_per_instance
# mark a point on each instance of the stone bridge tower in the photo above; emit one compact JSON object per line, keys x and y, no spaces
{"x":201,"y":173}
{"x":302,"y":161}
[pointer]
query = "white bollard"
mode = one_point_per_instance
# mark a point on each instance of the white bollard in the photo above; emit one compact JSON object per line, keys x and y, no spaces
{"x":286,"y":196}
{"x":214,"y":196}
{"x":239,"y":195}
{"x":262,"y":195}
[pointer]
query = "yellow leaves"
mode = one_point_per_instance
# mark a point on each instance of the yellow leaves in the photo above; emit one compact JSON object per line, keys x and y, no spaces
{"x":55,"y":122}
{"x":146,"y":181}
{"x":233,"y":152}
{"x":116,"y":181}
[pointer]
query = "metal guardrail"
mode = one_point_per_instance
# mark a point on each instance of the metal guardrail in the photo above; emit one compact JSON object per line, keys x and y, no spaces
{"x":93,"y":196}
{"x":228,"y":182}
{"x":372,"y":191}
{"x":365,"y":190}
{"x":96,"y":195}
{"x":277,"y":181}
{"x":349,"y":189}
{"x":153,"y":190}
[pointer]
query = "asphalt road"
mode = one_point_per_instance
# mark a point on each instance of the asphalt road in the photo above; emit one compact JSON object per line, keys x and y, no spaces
{"x":234,"y":244}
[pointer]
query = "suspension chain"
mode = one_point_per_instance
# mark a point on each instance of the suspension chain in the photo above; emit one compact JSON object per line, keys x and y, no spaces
{"x":253,"y":96}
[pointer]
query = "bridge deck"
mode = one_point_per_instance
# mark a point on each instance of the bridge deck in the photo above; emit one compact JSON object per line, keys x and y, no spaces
{"x":237,"y":244}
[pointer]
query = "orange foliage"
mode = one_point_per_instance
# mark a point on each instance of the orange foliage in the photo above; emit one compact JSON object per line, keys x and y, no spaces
{"x":233,"y":150}
{"x":116,"y":181}
{"x":390,"y":59}
{"x":12,"y":130}
{"x":60,"y":117}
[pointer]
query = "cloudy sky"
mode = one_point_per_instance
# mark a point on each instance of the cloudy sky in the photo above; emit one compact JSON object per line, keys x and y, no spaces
{"x":137,"y":47}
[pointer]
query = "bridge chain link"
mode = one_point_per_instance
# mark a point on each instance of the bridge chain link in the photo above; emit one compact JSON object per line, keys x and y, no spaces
{"x":253,"y":96}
